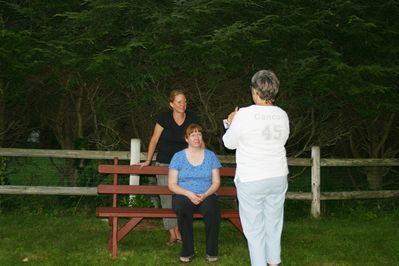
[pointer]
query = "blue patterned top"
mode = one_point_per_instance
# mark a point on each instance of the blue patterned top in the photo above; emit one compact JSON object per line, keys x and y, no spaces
{"x":197,"y":178}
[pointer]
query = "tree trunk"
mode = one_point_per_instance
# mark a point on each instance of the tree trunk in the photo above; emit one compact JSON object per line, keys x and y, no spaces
{"x":2,"y":112}
{"x":68,"y":127}
{"x":375,"y":176}
{"x":372,"y":139}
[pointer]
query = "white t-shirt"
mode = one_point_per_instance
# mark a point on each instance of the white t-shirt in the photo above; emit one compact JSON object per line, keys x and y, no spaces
{"x":259,"y":134}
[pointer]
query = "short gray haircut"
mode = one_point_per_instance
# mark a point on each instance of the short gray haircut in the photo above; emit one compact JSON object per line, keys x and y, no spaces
{"x":266,"y":85}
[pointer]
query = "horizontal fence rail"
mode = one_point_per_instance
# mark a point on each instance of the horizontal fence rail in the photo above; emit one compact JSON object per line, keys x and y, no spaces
{"x":44,"y":190}
{"x":92,"y":191}
{"x":359,"y":162}
{"x":125,"y":155}
{"x":359,"y":195}
{"x":71,"y":154}
{"x":110,"y":155}
{"x":315,"y":162}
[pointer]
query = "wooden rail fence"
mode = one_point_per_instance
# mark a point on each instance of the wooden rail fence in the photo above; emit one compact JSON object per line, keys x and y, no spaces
{"x":315,"y":162}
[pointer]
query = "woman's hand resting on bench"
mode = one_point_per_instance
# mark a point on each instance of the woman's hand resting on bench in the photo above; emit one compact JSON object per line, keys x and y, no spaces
{"x":145,"y":163}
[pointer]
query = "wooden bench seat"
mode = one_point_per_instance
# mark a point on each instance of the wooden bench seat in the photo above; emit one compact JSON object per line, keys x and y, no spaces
{"x":154,"y":213}
{"x":136,"y":215}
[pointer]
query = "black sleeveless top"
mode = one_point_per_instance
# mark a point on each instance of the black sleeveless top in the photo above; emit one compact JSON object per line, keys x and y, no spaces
{"x":172,"y":137}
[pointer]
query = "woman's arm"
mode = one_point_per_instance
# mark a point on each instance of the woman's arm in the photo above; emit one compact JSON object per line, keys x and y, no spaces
{"x":158,"y":129}
{"x":230,"y":138}
{"x":215,"y":184}
{"x":175,"y":188}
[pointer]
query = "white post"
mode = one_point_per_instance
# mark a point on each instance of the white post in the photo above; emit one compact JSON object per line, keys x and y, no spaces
{"x":315,"y":208}
{"x":134,"y":158}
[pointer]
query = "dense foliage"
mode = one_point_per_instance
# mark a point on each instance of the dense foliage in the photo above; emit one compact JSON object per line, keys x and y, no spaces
{"x":93,"y":74}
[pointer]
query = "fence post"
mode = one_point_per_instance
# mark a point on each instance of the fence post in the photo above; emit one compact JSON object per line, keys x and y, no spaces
{"x":315,"y":208}
{"x":134,"y":158}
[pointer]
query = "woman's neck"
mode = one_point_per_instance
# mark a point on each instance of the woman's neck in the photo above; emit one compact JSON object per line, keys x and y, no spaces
{"x":179,"y":117}
{"x":259,"y":101}
{"x":195,"y":155}
{"x":177,"y":113}
{"x":195,"y":150}
{"x":265,"y":104}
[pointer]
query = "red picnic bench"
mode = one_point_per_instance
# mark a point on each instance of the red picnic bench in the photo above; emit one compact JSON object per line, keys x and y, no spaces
{"x":137,"y":214}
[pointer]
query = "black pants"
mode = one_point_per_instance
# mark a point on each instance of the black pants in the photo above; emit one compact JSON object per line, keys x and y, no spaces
{"x":209,"y":208}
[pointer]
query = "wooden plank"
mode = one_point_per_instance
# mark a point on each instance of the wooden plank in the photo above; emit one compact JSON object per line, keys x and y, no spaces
{"x":73,"y":154}
{"x":237,"y":223}
{"x":126,"y":228}
{"x":299,"y":161}
{"x":42,"y":190}
{"x":315,"y":207}
{"x":227,"y":159}
{"x":148,"y":170}
{"x":132,"y":169}
{"x":345,"y":195}
{"x":299,"y":196}
{"x":360,"y":162}
{"x":134,"y":189}
{"x":114,"y":239}
{"x":92,"y":191}
{"x":153,"y":212}
{"x":228,"y":191}
{"x":121,"y":155}
{"x":151,"y":190}
{"x":228,"y":171}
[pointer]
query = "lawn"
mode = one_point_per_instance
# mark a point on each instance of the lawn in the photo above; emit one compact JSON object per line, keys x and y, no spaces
{"x":32,"y":239}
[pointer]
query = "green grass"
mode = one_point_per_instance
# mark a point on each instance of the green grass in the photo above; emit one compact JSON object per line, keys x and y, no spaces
{"x":61,"y":230}
{"x":34,"y":171}
{"x":342,"y":242}
{"x":27,"y":239}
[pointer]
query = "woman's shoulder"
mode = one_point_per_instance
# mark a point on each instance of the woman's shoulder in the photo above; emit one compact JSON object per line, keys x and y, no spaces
{"x":165,"y":113}
{"x":280,"y":110}
{"x":246,"y":109}
{"x":180,"y":153}
{"x":177,"y":158}
{"x":256,"y":108}
{"x":244,"y":112}
{"x":212,"y":159}
{"x":164,"y":117}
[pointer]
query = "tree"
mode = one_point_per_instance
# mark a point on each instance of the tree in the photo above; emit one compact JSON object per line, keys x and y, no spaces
{"x":105,"y":69}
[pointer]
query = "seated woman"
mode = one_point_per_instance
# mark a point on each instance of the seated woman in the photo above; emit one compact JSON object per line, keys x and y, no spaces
{"x":194,"y":178}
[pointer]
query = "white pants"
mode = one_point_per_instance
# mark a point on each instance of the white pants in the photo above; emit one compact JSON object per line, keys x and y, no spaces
{"x":261,"y":207}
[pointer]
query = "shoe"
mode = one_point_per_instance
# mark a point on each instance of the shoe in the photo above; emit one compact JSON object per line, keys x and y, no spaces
{"x":211,"y":258}
{"x":186,"y":259}
{"x":171,"y":242}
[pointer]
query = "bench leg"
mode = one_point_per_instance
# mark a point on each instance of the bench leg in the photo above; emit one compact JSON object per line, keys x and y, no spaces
{"x":118,"y":234}
{"x":128,"y":227}
{"x":114,"y":238}
{"x":237,"y":223}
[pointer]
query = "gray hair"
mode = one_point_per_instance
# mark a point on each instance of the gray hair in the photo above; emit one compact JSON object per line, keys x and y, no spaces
{"x":266,"y":85}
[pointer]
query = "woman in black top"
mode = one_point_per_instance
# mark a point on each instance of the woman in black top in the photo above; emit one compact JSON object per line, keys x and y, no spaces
{"x":168,"y":135}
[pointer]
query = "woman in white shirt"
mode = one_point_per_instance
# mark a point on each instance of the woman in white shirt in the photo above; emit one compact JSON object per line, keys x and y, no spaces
{"x":258,"y":133}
